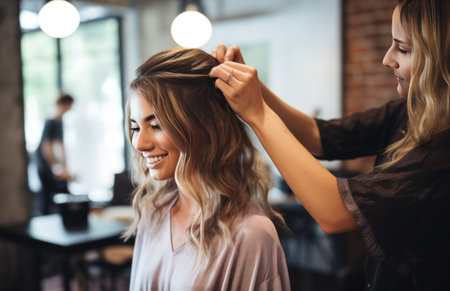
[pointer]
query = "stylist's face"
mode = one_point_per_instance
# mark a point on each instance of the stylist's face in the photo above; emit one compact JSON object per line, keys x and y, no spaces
{"x":398,"y":57}
{"x":151,"y":141}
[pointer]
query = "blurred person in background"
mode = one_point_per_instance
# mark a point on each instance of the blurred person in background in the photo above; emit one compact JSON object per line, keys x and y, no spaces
{"x":51,"y":155}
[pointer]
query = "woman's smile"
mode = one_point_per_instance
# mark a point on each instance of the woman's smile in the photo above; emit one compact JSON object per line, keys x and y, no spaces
{"x":155,"y":160}
{"x":160,"y":154}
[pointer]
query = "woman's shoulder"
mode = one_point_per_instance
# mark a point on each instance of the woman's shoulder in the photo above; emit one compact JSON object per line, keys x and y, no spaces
{"x":253,"y":224}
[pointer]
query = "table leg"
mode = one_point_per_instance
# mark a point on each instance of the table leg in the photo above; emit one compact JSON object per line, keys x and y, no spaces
{"x":81,"y":272}
{"x":66,"y":272}
{"x":36,"y":276}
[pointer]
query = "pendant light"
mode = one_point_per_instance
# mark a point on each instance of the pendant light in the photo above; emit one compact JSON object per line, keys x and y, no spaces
{"x":191,"y":28}
{"x":58,"y":18}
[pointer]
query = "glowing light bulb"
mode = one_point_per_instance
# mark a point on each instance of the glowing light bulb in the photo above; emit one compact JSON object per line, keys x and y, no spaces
{"x":59,"y":18}
{"x":191,"y":29}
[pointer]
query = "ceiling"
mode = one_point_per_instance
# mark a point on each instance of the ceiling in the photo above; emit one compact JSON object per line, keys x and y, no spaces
{"x":214,"y":9}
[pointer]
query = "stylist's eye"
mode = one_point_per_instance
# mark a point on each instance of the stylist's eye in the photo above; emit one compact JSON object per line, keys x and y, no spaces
{"x":402,"y":51}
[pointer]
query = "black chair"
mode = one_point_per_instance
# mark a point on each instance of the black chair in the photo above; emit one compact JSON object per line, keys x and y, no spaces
{"x":115,"y":261}
{"x":122,"y":189}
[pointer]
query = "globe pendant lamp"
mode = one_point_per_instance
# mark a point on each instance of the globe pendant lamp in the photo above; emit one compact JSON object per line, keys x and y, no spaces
{"x":191,"y":29}
{"x":58,"y":18}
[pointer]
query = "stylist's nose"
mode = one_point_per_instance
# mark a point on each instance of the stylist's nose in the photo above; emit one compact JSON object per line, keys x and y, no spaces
{"x":143,"y":141}
{"x":389,"y":60}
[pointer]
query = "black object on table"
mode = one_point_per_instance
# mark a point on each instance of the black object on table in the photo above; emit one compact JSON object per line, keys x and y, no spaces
{"x":49,"y":233}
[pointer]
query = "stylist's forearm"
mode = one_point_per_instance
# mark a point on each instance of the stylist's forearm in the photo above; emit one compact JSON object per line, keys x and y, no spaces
{"x":313,"y":185}
{"x":303,"y":127}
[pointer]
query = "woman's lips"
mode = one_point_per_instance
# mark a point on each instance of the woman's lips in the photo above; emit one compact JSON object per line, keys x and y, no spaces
{"x":153,"y":161}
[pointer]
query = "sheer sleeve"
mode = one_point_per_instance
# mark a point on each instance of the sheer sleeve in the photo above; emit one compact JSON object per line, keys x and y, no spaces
{"x":402,"y":211}
{"x":363,"y":133}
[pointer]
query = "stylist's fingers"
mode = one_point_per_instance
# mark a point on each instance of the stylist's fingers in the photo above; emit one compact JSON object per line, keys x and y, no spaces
{"x":230,"y":54}
{"x":234,"y":75}
{"x":223,"y":72}
{"x":231,"y":79}
{"x":240,"y":85}
{"x":239,"y":66}
{"x":233,"y":54}
{"x":219,"y":53}
{"x":225,"y":79}
{"x":239,"y":71}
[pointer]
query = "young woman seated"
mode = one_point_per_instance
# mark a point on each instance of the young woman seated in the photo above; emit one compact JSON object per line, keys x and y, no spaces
{"x":199,"y":177}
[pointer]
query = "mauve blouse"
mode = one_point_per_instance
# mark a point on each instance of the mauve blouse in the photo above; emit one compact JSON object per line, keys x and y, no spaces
{"x":403,"y":211}
{"x":255,"y":262}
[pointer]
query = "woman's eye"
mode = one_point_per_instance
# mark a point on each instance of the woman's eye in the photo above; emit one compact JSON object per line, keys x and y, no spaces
{"x":134,"y":129}
{"x":156,"y":126}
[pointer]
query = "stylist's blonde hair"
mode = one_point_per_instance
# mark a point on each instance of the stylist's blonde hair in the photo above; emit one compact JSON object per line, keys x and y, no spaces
{"x":426,"y":24}
{"x":218,"y":167}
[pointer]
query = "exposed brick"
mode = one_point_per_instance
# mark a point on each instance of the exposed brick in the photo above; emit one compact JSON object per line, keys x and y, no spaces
{"x":367,"y":83}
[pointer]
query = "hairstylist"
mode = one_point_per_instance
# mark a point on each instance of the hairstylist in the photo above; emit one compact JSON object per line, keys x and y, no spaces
{"x":401,"y":207}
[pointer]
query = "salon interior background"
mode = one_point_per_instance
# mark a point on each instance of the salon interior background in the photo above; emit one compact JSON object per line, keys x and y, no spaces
{"x":296,"y":45}
{"x":302,"y":46}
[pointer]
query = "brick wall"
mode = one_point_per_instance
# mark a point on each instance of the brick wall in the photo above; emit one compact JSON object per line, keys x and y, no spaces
{"x":367,"y":83}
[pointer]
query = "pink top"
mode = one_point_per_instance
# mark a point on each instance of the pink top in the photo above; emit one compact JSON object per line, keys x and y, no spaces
{"x":255,"y":262}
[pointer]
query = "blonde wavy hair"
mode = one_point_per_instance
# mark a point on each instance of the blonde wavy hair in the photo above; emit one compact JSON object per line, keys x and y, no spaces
{"x":219,"y":168}
{"x":427,"y":27}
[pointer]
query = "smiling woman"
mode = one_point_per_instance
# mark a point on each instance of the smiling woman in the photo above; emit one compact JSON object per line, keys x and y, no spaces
{"x":160,"y":153}
{"x":198,"y":227}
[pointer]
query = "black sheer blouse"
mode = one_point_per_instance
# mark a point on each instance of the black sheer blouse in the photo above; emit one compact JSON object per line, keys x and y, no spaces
{"x":403,"y":211}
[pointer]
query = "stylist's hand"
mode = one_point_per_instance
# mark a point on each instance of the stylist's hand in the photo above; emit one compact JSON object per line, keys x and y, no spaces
{"x":231,"y":54}
{"x":65,"y":175}
{"x":240,"y":85}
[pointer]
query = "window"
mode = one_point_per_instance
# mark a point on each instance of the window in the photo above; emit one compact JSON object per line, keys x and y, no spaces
{"x":87,"y":66}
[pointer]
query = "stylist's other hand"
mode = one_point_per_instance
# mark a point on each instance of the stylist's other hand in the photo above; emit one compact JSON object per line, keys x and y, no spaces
{"x":231,"y":54}
{"x":240,"y":85}
{"x":65,"y":175}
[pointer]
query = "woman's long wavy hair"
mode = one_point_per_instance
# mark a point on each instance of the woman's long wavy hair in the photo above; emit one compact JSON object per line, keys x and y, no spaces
{"x":219,"y":168}
{"x":427,"y":27}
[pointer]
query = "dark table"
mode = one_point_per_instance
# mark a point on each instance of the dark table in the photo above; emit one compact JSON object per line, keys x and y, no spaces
{"x":49,"y":233}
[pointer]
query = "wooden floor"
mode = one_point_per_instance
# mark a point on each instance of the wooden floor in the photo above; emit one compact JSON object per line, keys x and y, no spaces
{"x":96,"y":277}
{"x":100,"y":279}
{"x":300,"y":281}
{"x":55,"y":283}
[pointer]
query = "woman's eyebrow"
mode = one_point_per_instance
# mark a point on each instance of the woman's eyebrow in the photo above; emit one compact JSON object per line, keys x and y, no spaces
{"x":146,"y":119}
{"x":399,"y":41}
{"x":150,"y":117}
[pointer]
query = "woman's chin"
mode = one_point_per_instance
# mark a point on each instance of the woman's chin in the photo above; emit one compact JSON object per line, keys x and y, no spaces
{"x":402,"y":91}
{"x":158,"y":176}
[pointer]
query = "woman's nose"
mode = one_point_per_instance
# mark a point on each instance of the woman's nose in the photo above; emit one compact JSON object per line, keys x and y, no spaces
{"x":143,"y":142}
